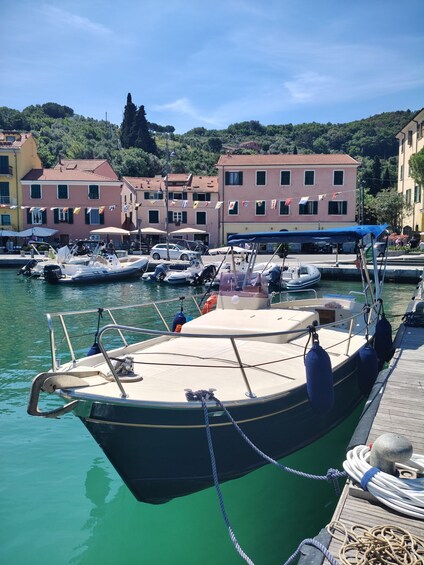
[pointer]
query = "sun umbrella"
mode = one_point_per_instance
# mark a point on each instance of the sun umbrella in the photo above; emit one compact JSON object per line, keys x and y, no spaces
{"x":188,"y":230}
{"x":111,"y":231}
{"x":8,"y":233}
{"x":37,"y":232}
{"x":151,"y":231}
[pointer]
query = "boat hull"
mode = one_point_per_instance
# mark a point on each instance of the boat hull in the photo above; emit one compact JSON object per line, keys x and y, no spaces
{"x":162,"y":453}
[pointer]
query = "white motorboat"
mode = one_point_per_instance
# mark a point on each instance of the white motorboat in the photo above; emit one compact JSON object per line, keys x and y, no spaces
{"x":172,"y":407}
{"x":100,"y":269}
{"x":294,"y":277}
{"x":196,"y":273}
{"x":80,"y":253}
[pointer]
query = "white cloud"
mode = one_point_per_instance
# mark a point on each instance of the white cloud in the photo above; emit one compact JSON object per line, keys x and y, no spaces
{"x":63,"y":17}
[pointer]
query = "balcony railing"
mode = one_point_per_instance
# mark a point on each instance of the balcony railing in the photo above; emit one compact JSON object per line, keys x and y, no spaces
{"x":9,"y":201}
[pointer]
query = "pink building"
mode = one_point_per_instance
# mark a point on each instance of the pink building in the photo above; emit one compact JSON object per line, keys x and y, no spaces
{"x":274,"y":192}
{"x":191,"y":204}
{"x":72,"y":199}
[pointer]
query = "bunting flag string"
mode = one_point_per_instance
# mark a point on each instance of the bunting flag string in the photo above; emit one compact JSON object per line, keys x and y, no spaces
{"x":288,"y":200}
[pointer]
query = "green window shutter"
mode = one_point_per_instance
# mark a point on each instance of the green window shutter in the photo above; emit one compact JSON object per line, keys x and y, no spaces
{"x":29,"y":217}
{"x":56,"y":215}
{"x":70,"y":216}
{"x":102,"y":219}
{"x":44,"y":217}
{"x":170,"y":217}
{"x":184,"y":217}
{"x":87,"y":216}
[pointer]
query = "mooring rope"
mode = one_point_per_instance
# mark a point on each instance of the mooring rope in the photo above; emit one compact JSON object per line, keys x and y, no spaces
{"x":376,"y":545}
{"x":216,"y":482}
{"x":332,"y":474}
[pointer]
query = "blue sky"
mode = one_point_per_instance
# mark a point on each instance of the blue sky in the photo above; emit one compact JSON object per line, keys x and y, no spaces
{"x":195,"y":63}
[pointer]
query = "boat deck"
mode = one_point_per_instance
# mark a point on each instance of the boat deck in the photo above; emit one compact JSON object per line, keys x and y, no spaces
{"x":170,"y":366}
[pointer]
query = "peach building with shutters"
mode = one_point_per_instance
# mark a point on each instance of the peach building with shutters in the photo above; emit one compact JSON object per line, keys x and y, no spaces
{"x":294,"y":192}
{"x":72,"y":199}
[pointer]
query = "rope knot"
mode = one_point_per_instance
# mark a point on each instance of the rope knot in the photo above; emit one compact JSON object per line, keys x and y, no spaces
{"x":199,"y":395}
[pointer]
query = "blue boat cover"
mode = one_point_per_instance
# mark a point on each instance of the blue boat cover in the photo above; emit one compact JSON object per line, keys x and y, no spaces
{"x":333,"y":235}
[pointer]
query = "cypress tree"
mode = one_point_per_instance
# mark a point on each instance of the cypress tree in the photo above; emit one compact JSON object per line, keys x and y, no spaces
{"x":376,"y":176}
{"x":141,"y":134}
{"x":127,"y":126}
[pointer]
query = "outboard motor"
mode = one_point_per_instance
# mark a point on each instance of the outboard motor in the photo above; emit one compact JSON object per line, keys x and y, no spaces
{"x":160,"y":272}
{"x":52,"y":273}
{"x":208,"y":274}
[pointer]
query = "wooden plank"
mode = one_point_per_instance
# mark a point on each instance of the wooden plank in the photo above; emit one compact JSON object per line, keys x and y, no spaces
{"x":401,"y":411}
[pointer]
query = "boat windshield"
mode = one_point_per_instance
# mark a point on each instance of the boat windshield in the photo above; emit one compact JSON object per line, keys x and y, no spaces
{"x":242,"y":283}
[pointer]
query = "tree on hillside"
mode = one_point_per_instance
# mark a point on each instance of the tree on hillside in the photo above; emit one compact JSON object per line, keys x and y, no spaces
{"x":417,"y":167}
{"x":376,"y":176}
{"x":55,"y":110}
{"x":127,"y":126}
{"x":141,"y":134}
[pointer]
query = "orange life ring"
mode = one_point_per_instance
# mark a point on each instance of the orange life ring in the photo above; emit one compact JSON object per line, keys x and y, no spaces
{"x":209,"y":304}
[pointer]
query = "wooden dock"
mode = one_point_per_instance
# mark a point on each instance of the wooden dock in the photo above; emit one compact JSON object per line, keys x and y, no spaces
{"x":396,"y":405}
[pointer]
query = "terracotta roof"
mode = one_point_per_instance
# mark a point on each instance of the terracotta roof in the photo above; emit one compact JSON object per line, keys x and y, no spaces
{"x":286,"y":160}
{"x":89,"y":165}
{"x":196,"y":183}
{"x":64,"y":175}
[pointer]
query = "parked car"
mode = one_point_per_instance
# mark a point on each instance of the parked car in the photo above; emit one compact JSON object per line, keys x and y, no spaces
{"x":176,"y":252}
{"x":192,"y":245}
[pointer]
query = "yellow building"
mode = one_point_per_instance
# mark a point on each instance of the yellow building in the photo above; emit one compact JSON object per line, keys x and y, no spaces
{"x":18,"y":155}
{"x":411,"y":140}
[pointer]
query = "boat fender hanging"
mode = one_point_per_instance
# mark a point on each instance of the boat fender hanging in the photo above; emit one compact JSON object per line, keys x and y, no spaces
{"x":383,"y":343}
{"x":179,"y":320}
{"x":95,"y":348}
{"x":319,"y":378}
{"x":209,"y":304}
{"x":368,"y":368}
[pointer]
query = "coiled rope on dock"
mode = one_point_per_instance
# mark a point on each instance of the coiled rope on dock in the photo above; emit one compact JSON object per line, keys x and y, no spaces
{"x":376,"y":545}
{"x":403,"y":495}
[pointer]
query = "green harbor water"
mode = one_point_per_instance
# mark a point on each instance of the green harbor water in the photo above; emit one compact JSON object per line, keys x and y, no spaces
{"x":63,"y":503}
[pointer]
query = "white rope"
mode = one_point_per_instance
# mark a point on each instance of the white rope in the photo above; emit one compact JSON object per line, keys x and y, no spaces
{"x":403,"y":495}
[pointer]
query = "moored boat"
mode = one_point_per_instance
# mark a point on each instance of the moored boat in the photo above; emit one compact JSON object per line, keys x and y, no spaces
{"x":100,"y":268}
{"x":287,"y":371}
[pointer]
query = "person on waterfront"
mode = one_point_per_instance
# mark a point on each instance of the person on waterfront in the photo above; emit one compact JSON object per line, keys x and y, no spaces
{"x":111,"y":247}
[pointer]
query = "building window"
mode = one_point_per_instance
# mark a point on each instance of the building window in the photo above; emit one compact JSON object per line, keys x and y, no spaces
{"x":285,"y":178}
{"x":417,"y":193}
{"x":310,"y":208}
{"x":177,"y":218}
{"x":93,"y":192}
{"x":93,"y":217}
{"x":338,"y":178}
{"x":202,"y":196}
{"x":4,"y":165}
{"x":260,"y":208}
{"x":309,"y":178}
{"x":62,"y":191}
{"x":153,"y":216}
{"x":410,"y":137}
{"x":4,"y":193}
{"x":401,"y":173}
{"x":234,"y":178}
{"x":201,"y":218}
{"x":5,"y":220}
{"x":233,"y":208}
{"x":260,"y":178}
{"x":36,"y":216}
{"x":408,"y":196}
{"x":284,"y":209}
{"x":35,"y":191}
{"x":337,"y":208}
